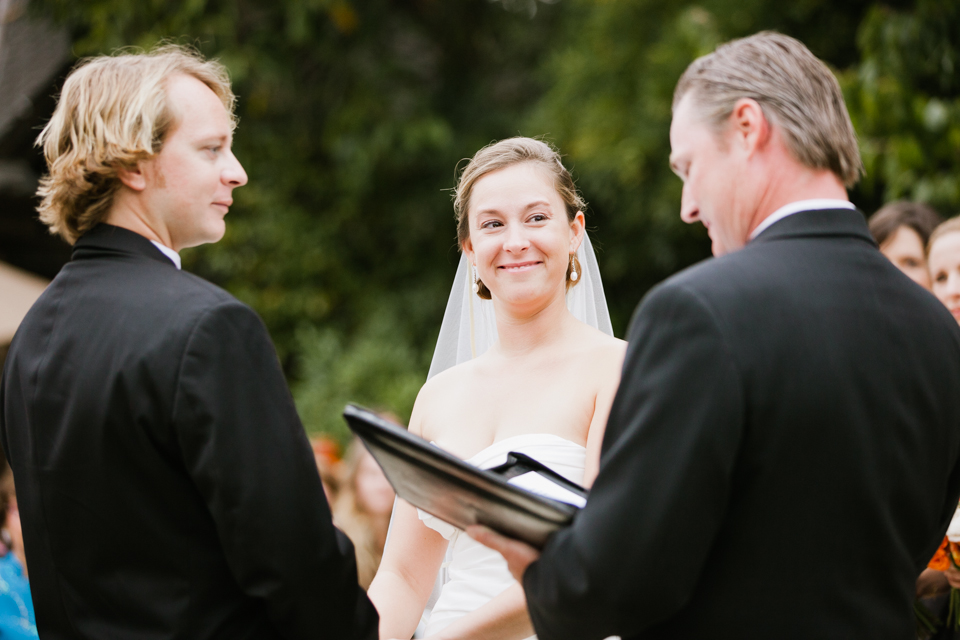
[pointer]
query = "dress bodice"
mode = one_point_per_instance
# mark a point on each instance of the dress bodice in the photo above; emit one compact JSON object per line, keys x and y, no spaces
{"x":563,"y":456}
{"x":474,"y":574}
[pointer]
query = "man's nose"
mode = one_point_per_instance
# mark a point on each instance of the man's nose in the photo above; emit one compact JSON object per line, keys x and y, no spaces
{"x":233,"y":174}
{"x":689,"y":211}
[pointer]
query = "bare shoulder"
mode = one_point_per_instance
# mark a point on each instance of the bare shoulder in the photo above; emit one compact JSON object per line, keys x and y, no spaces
{"x":600,"y":358}
{"x":444,"y":381}
{"x":436,"y":397}
{"x":603,"y":350}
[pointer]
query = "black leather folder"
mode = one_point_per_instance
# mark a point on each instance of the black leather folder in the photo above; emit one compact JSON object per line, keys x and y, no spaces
{"x":445,"y":486}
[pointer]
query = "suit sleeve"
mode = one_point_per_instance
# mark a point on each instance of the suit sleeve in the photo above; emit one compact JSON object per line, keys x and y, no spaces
{"x":633,"y":555}
{"x":244,"y":446}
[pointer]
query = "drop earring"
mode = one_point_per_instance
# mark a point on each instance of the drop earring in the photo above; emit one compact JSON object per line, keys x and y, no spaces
{"x":476,"y":281}
{"x":574,"y":265}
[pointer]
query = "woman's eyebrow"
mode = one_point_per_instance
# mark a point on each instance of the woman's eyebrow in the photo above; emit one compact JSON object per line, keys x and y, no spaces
{"x":537,"y":203}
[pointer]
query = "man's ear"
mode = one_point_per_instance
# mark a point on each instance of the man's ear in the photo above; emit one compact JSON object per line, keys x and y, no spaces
{"x":134,"y":177}
{"x":750,"y":124}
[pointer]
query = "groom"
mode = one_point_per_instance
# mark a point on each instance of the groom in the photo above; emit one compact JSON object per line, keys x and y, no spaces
{"x":781,"y":457}
{"x":165,"y":484}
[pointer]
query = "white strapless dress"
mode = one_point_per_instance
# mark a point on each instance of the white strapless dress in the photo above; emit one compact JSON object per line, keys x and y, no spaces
{"x":473,"y":574}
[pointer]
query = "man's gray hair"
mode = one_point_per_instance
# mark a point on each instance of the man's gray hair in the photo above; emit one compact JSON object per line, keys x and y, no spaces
{"x":797,"y":92}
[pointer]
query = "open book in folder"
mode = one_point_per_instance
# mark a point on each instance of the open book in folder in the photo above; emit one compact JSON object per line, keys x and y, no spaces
{"x":521,"y":498}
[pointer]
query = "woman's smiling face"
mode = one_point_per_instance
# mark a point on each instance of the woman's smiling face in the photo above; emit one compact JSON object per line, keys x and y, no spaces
{"x":944,"y":261}
{"x":520,"y":235}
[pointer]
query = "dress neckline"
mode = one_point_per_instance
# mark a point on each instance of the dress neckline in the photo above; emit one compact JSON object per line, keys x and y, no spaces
{"x":518,"y":441}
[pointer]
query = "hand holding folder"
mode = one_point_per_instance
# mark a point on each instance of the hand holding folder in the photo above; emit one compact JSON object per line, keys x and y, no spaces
{"x":508,"y":498}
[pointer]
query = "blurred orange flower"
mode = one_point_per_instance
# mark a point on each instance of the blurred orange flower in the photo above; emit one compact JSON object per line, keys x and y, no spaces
{"x":940,"y":560}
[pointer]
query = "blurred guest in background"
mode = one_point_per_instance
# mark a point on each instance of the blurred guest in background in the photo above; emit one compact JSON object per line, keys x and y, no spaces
{"x":934,"y":599}
{"x":943,"y":255}
{"x":362,"y":508}
{"x":326,"y":453}
{"x":902,"y":230}
{"x":16,"y":607}
{"x":943,"y":258}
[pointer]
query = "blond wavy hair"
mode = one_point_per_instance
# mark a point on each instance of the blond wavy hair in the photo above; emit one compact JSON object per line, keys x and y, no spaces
{"x":796,"y":91}
{"x":113,"y":112}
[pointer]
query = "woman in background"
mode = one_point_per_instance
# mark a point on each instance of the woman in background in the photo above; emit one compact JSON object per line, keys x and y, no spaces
{"x":326,"y":453}
{"x":362,"y":508}
{"x":944,"y":260}
{"x":902,"y":229}
{"x":17,"y":619}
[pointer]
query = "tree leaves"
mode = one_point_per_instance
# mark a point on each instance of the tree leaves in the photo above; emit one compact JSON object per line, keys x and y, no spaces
{"x":354,"y":115}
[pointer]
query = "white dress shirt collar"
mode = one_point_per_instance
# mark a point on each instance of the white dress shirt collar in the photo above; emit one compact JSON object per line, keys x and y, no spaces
{"x":797,"y":207}
{"x":170,"y":253}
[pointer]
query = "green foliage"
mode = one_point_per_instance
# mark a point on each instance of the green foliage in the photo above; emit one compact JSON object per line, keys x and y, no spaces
{"x":904,"y":98}
{"x":354,"y":114}
{"x":373,"y":369}
{"x":608,"y":107}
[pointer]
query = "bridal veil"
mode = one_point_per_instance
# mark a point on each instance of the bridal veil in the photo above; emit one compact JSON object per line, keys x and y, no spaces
{"x":469,"y":327}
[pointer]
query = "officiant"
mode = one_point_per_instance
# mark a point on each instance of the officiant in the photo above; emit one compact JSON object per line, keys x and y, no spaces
{"x":790,"y":406}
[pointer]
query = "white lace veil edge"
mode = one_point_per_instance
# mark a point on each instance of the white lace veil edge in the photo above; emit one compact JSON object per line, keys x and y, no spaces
{"x":469,"y":326}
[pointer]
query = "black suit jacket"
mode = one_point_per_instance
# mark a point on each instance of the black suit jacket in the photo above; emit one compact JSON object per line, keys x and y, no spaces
{"x":165,"y":483}
{"x":781,"y":457}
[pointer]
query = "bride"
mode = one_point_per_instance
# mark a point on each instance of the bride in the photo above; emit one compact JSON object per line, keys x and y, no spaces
{"x":534,"y":378}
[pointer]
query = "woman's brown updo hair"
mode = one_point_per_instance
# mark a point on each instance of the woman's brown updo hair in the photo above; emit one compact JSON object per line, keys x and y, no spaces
{"x":503,"y":154}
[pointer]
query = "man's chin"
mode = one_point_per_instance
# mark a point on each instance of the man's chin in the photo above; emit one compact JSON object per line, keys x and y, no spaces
{"x":722,"y":248}
{"x":209,"y":236}
{"x":717,"y":249}
{"x":217,"y":235}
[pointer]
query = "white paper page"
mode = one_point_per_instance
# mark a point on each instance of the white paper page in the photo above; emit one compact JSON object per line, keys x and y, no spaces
{"x":535,"y":483}
{"x":953,"y":531}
